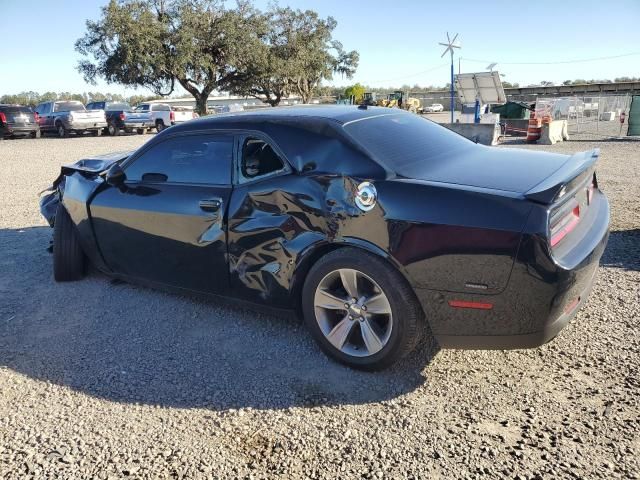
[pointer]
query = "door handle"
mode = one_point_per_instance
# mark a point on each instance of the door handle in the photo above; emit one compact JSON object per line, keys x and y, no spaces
{"x":211,"y":204}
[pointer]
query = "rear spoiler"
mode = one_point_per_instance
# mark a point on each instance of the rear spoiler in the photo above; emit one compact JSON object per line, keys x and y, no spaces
{"x":565,"y":179}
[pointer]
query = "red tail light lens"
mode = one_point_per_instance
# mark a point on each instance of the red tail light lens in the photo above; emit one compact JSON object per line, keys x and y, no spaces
{"x":122,"y":116}
{"x":172,"y":116}
{"x":3,"y":118}
{"x":36,"y":117}
{"x":565,"y":225}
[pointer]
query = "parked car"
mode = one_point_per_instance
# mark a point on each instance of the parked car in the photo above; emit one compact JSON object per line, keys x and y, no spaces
{"x":66,"y":116}
{"x":433,"y":108}
{"x":377,"y":225}
{"x":164,"y":115}
{"x":18,"y":121}
{"x":120,"y":116}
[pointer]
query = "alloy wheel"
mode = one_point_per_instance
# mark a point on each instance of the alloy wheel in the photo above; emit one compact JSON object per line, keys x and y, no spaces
{"x":353,"y":312}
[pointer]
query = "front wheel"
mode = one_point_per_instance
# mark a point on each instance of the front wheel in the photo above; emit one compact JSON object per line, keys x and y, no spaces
{"x":360,"y":310}
{"x":68,"y":257}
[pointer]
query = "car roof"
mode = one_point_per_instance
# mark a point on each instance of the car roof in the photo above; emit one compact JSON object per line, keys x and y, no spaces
{"x":341,"y":114}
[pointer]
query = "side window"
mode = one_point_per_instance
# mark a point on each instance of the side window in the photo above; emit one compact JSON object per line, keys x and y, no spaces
{"x":188,"y":159}
{"x":258,"y":159}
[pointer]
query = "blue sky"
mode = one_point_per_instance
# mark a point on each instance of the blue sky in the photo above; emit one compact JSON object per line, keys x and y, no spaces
{"x":397,"y":40}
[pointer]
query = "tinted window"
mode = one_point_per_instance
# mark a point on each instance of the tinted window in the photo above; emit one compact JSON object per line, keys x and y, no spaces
{"x":42,"y":108}
{"x":68,"y":107}
{"x":117,"y":106}
{"x":188,"y":159}
{"x":258,"y":159}
{"x":15,"y":109}
{"x":406,"y":143}
{"x":142,"y":108}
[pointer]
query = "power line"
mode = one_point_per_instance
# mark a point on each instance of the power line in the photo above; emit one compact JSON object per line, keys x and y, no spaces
{"x":595,"y":59}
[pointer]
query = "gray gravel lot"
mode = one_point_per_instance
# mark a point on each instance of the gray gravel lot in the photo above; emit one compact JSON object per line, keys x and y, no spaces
{"x":107,"y":380}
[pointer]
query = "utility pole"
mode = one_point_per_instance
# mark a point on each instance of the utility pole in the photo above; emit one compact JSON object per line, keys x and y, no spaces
{"x":450,"y":46}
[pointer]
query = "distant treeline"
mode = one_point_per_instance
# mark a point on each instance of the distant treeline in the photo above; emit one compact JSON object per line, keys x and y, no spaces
{"x":34,"y":98}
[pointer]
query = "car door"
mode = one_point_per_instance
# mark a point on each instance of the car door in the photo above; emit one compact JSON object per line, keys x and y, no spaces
{"x":265,"y":219}
{"x":167,"y":223}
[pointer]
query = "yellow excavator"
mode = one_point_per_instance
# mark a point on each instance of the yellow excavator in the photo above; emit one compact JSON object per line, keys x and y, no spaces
{"x":400,"y":99}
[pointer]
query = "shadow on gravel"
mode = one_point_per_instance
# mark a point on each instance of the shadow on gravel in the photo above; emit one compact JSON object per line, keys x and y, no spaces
{"x":623,"y":250}
{"x":129,"y":344}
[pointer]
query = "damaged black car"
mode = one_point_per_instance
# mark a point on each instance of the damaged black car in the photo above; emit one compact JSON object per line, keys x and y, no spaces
{"x":378,"y":226}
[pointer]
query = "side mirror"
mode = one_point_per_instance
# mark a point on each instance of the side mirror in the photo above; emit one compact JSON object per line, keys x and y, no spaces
{"x":116,"y":176}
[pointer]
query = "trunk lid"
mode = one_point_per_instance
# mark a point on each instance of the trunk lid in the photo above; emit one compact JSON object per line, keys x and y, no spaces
{"x":182,"y":115}
{"x":138,"y":116}
{"x":19,"y":116}
{"x":508,"y":169}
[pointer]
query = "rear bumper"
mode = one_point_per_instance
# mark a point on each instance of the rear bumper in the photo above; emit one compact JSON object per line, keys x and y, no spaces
{"x":549,"y":329}
{"x":22,"y":130}
{"x":541,"y":298}
{"x":81,"y":125}
{"x":138,"y":124}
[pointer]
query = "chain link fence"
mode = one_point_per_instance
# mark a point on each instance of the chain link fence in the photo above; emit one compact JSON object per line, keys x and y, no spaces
{"x":597,"y":116}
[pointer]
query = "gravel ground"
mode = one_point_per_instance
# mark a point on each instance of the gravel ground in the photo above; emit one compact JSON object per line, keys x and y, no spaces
{"x":106,"y":380}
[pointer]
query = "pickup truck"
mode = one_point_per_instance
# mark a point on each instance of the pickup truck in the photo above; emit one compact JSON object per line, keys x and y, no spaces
{"x":120,"y":116}
{"x":165,"y":115}
{"x":65,"y":116}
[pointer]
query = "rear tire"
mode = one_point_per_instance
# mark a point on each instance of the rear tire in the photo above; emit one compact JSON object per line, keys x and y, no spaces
{"x":62,"y":132}
{"x":113,"y":130}
{"x":141,"y":131}
{"x":160,"y":126}
{"x":396,"y":333}
{"x":68,"y":257}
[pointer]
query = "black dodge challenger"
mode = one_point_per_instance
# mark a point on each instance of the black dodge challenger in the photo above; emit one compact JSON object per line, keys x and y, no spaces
{"x":376,"y":225}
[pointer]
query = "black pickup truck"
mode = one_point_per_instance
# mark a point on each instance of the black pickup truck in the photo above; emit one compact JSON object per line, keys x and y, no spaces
{"x":120,"y":116}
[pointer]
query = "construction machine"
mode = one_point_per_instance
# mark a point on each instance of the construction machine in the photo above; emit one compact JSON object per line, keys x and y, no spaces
{"x":400,"y":99}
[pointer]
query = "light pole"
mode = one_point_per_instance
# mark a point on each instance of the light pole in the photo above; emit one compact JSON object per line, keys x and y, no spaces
{"x":450,"y":46}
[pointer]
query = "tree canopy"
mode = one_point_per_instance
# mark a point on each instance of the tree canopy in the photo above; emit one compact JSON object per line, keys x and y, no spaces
{"x":204,"y":47}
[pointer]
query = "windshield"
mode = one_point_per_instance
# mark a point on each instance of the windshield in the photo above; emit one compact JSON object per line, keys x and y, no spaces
{"x":68,"y":107}
{"x":406,"y":143}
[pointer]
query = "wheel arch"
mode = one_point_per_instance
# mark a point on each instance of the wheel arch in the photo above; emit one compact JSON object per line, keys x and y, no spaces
{"x":313,"y":253}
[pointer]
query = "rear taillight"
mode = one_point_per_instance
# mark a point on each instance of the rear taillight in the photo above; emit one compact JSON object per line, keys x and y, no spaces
{"x":564,"y":225}
{"x":36,"y":117}
{"x":3,"y":118}
{"x":122,"y":116}
{"x":172,"y":116}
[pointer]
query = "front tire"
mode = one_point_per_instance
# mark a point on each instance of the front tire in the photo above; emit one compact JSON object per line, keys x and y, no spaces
{"x":360,"y":310}
{"x":68,"y":257}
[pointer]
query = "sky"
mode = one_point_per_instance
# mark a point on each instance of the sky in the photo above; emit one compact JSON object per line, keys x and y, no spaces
{"x":397,"y":40}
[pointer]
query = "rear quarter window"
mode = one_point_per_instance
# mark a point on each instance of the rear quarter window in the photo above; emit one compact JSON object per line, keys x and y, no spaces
{"x":405,"y":142}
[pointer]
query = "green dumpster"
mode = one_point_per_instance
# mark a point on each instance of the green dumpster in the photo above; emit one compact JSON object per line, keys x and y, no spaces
{"x":634,"y":116}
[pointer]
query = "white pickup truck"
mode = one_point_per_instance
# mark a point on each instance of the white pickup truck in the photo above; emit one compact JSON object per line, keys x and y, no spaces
{"x":164,"y":115}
